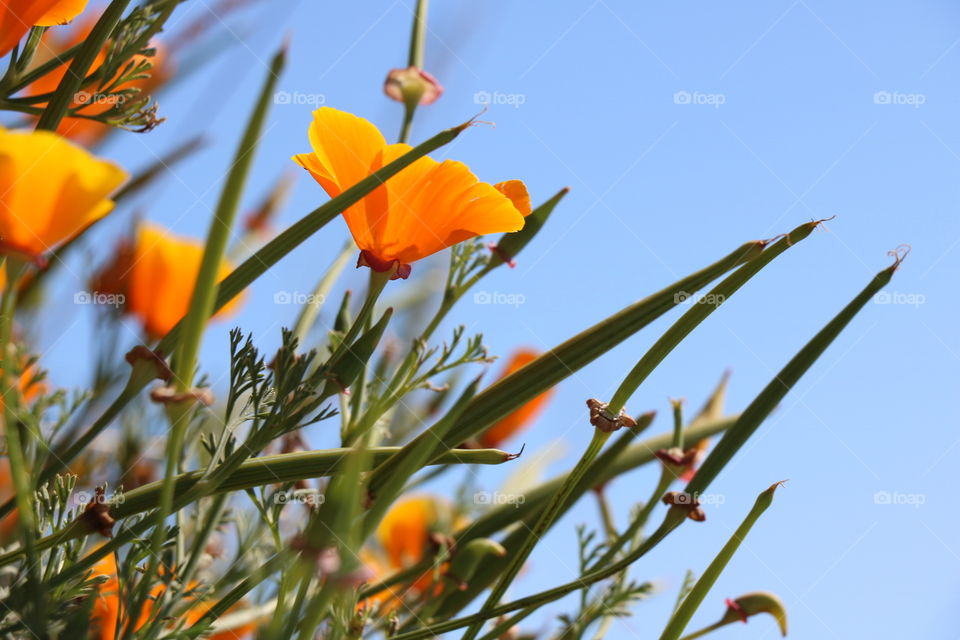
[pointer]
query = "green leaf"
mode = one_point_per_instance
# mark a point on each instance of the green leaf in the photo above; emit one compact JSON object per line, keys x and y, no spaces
{"x":218,"y":237}
{"x":774,"y":392}
{"x":515,"y":390}
{"x":388,"y":480}
{"x":699,"y":311}
{"x":256,"y":472}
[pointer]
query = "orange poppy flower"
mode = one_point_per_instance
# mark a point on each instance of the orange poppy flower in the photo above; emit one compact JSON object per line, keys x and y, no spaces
{"x":153,"y":276}
{"x":404,"y":532}
{"x":424,"y":209}
{"x":407,"y":533}
{"x":522,"y":417}
{"x":17,"y":16}
{"x":62,"y":12}
{"x":82,"y":130}
{"x":50,"y":190}
{"x":106,"y":606}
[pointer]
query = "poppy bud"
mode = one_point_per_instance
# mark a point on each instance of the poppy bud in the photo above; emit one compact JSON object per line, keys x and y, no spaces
{"x":412,"y":86}
{"x":750,"y":604}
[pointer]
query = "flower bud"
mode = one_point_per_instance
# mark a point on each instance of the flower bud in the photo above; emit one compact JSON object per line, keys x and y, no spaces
{"x":412,"y":86}
{"x":750,"y":604}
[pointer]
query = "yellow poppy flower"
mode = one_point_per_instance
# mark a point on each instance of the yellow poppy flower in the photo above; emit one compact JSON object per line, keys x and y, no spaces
{"x":50,"y":190}
{"x":424,"y":209}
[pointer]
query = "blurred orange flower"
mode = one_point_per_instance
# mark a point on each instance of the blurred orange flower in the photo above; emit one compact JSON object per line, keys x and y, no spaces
{"x":8,"y":524}
{"x":82,"y":130}
{"x":424,"y":209}
{"x":106,"y":607}
{"x":410,"y":531}
{"x":153,"y":277}
{"x":17,"y":16}
{"x":50,"y":190}
{"x":522,"y":417}
{"x":404,"y":532}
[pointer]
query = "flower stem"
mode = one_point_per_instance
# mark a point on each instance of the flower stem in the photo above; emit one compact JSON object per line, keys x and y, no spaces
{"x":546,"y":519}
{"x":378,"y":280}
{"x":310,"y":311}
{"x":418,"y":35}
{"x":16,"y":451}
{"x":691,"y":602}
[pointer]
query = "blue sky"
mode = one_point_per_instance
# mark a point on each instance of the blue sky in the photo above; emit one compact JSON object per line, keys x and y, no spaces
{"x":683,"y":130}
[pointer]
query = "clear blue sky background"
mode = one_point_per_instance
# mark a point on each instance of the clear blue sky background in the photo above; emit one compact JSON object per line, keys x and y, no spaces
{"x":660,"y":188}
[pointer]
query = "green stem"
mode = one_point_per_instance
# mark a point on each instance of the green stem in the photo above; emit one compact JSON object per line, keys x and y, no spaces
{"x":546,"y":519}
{"x":418,"y":35}
{"x":673,"y":520}
{"x":418,"y":38}
{"x":700,"y":309}
{"x":378,"y":280}
{"x":499,"y":518}
{"x":771,"y":396}
{"x":310,"y":311}
{"x":203,"y":300}
{"x":681,"y":617}
{"x":39,"y":71}
{"x":407,"y":124}
{"x":630,"y":534}
{"x":255,"y":472}
{"x":23,"y":487}
{"x":704,"y":631}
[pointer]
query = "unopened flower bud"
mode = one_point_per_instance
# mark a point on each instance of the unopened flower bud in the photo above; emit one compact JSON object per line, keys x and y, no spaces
{"x":750,"y":604}
{"x":412,"y":86}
